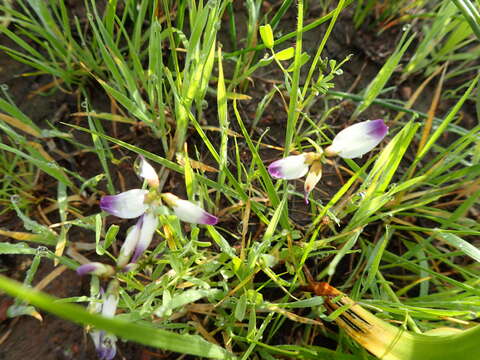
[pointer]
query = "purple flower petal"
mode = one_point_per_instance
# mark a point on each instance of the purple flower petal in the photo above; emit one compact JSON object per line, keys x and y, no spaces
{"x":209,"y":219}
{"x":356,"y":140}
{"x":291,"y":167}
{"x":105,"y":344}
{"x":127,"y":205}
{"x":378,"y":129}
{"x":129,"y":267}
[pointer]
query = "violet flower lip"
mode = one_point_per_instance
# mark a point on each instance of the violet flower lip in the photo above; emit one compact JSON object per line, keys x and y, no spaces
{"x":126,"y":205}
{"x":94,"y":268}
{"x":289,"y":168}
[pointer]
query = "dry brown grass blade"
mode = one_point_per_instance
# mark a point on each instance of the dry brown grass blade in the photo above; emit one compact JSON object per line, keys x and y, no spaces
{"x":50,"y":277}
{"x":431,"y":111}
{"x":19,"y":125}
{"x":56,"y":82}
{"x":106,"y":116}
{"x":195,"y":164}
{"x":417,"y":93}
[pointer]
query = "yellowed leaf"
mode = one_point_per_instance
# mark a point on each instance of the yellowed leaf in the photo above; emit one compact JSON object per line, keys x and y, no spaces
{"x":19,"y":125}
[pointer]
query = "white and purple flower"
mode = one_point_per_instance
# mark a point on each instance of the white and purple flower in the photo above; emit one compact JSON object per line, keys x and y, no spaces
{"x":353,"y":141}
{"x":105,"y":343}
{"x":148,"y":225}
{"x":126,"y":205}
{"x":143,"y":204}
{"x":95,"y":268}
{"x":358,"y":139}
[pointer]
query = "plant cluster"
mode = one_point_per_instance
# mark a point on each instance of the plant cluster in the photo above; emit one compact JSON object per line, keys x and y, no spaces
{"x":216,"y":260}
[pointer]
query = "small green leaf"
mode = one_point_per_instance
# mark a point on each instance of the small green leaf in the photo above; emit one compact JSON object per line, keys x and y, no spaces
{"x":110,"y":236}
{"x":241,"y":308}
{"x":266,"y":34}
{"x":285,"y":54}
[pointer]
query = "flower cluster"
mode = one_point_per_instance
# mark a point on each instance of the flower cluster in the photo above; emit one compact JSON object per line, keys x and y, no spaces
{"x":144,"y":205}
{"x":353,"y":141}
{"x":147,"y":204}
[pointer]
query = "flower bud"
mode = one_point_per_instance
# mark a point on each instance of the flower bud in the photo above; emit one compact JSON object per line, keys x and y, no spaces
{"x":313,"y":177}
{"x":146,"y":171}
{"x":95,"y":268}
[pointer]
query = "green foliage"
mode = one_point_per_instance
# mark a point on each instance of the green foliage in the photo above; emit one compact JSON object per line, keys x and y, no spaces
{"x":396,"y":230}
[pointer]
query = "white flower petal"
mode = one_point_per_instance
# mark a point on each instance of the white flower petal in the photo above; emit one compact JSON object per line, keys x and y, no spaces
{"x":109,"y":307}
{"x":130,"y":243}
{"x":291,"y":167}
{"x":127,"y":205}
{"x":146,"y":171}
{"x":356,"y":140}
{"x":96,"y":336}
{"x":148,"y":227}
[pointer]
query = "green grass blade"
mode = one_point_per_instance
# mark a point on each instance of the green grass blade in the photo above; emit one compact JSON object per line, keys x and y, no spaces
{"x":147,"y":335}
{"x":471,"y":14}
{"x":379,"y":82}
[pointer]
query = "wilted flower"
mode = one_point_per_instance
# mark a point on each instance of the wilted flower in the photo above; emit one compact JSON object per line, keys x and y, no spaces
{"x":143,"y":204}
{"x":313,"y":177}
{"x":358,"y":139}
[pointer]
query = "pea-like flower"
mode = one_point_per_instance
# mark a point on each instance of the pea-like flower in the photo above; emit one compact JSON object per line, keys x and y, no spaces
{"x":126,"y":205}
{"x":143,"y":204}
{"x":353,"y":141}
{"x":105,"y":343}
